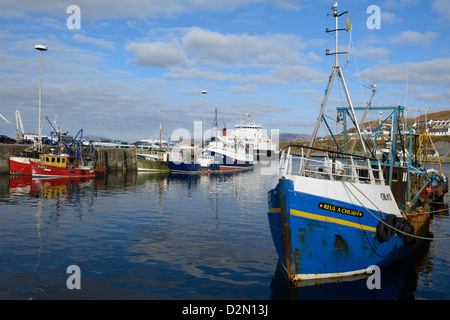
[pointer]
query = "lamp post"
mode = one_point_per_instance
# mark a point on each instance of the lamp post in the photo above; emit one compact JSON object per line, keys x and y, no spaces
{"x":40,"y":48}
{"x":204,"y":92}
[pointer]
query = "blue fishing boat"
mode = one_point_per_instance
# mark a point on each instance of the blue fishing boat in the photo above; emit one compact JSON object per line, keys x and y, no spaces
{"x":183,"y":167}
{"x":181,"y":161}
{"x":339,"y":211}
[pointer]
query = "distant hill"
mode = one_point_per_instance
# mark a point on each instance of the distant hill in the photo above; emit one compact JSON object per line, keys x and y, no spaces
{"x":434,"y":116}
{"x":283,"y":137}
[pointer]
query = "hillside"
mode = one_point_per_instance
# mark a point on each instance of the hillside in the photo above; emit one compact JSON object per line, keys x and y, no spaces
{"x":283,"y":137}
{"x":432,"y":116}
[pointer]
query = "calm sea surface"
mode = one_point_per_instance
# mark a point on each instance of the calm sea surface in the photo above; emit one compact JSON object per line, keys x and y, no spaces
{"x":173,"y":237}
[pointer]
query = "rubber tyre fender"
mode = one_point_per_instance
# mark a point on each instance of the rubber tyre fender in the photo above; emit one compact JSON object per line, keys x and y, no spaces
{"x":390,"y":220}
{"x":409,"y":230}
{"x":384,"y":230}
{"x":399,"y":223}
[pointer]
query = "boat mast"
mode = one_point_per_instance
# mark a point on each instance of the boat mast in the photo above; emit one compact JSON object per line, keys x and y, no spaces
{"x":160,"y":132}
{"x":335,"y":70}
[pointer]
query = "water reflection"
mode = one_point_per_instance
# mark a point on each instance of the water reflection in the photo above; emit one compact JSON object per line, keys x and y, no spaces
{"x":183,"y":235}
{"x":163,"y":235}
{"x":46,"y":188}
{"x":398,"y":282}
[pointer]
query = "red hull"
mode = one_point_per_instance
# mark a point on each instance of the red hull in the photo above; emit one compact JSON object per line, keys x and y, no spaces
{"x":20,"y":165}
{"x":224,"y":168}
{"x":44,"y":170}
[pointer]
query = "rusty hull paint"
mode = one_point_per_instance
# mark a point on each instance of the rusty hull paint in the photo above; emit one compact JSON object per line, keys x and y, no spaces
{"x":285,"y":216}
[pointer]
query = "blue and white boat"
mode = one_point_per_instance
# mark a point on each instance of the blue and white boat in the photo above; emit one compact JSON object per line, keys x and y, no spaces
{"x":342,"y":213}
{"x":185,"y":160}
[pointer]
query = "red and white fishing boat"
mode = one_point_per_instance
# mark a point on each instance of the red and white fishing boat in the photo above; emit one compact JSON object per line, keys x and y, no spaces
{"x":59,"y":165}
{"x":19,"y":165}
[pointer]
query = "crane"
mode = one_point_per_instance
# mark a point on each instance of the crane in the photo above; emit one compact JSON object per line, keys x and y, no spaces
{"x":4,"y":118}
{"x":19,"y":134}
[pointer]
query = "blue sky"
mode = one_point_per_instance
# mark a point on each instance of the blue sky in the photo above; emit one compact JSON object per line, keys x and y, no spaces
{"x":132,"y":59}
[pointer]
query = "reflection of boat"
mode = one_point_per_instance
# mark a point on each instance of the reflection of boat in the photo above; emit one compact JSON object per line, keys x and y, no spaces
{"x":60,"y":166}
{"x":339,"y":216}
{"x":53,"y":187}
{"x":398,"y":282}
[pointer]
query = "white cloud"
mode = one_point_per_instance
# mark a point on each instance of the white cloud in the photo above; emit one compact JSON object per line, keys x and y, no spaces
{"x":158,"y":54}
{"x":371,"y":52}
{"x":105,"y":44}
{"x":212,"y":47}
{"x":388,"y":17}
{"x":178,"y":73}
{"x":205,"y":47}
{"x":399,"y":3}
{"x":435,"y":71}
{"x":413,"y":38}
{"x":131,"y":9}
{"x":299,"y":73}
{"x":442,"y":7}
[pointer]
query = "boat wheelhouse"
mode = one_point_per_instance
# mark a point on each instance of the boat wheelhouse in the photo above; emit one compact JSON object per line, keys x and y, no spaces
{"x":59,"y":165}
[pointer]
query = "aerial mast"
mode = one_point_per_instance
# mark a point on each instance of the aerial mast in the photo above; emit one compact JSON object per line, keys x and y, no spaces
{"x":335,"y":70}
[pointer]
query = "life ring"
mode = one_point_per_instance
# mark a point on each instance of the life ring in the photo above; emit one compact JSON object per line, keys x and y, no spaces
{"x":384,"y":228}
{"x":83,"y":172}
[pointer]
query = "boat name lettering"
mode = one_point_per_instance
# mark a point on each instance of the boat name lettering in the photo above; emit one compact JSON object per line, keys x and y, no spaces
{"x":385,"y":196}
{"x":350,"y":212}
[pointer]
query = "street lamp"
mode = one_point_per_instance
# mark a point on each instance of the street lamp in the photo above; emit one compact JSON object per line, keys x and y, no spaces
{"x":204,"y":92}
{"x":40,"y":48}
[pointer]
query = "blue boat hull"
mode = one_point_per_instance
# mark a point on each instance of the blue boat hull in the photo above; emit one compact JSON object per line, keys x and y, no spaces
{"x":190,"y":167}
{"x":228,"y":163}
{"x":318,"y":237}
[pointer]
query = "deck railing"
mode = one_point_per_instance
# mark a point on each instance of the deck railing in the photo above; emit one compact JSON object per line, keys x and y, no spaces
{"x":333,"y":166}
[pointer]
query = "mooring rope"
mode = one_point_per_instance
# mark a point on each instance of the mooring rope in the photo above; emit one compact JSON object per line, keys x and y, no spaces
{"x":399,"y":231}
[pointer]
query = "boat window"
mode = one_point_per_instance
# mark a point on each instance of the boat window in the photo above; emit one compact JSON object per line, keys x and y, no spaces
{"x":58,"y":160}
{"x":53,"y":159}
{"x":47,"y":159}
{"x":63,"y":160}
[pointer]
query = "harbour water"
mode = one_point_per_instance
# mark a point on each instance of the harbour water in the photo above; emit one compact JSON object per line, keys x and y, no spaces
{"x":173,"y":237}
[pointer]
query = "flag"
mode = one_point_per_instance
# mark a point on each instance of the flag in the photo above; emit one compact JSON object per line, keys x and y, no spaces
{"x":349,"y":27}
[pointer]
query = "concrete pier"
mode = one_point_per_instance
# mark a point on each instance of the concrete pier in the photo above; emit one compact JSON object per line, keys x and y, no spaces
{"x":113,"y":159}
